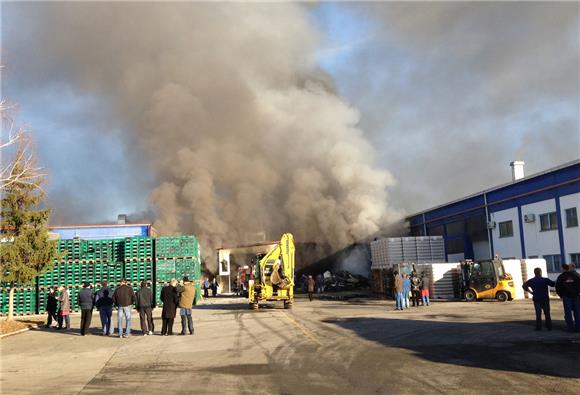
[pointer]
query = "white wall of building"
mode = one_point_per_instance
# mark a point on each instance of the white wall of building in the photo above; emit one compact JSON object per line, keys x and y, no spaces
{"x":506,"y":247}
{"x":540,"y":243}
{"x":571,"y":235}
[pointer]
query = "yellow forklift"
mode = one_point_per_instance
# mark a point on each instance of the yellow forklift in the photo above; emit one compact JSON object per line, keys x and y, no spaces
{"x":273,"y":275}
{"x":486,"y":279}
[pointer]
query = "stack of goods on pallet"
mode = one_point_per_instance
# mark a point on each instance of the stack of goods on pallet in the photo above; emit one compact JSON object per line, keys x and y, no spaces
{"x":138,"y":257}
{"x":514,"y":268}
{"x":95,"y":261}
{"x":92,"y":261}
{"x":176,"y":257}
{"x":444,"y":278}
{"x":24,"y":300}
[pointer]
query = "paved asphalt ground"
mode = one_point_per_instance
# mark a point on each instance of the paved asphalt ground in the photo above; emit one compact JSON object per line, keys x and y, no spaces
{"x":322,"y":347}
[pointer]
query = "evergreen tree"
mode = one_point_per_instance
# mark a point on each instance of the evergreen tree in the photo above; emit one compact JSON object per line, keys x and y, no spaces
{"x":26,"y":250}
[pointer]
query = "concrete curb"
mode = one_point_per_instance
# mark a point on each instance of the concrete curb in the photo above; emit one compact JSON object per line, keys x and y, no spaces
{"x":15,"y":333}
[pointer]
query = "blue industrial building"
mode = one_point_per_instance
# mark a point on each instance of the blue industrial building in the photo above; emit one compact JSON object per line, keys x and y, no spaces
{"x":110,"y":231}
{"x":530,"y":217}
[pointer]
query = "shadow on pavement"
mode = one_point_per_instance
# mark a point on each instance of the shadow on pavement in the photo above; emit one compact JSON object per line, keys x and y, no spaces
{"x":495,"y":346}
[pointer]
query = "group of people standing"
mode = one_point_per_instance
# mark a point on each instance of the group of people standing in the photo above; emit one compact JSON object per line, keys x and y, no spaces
{"x":568,"y":289}
{"x":411,"y":288}
{"x":173,"y":295}
{"x":207,"y":286}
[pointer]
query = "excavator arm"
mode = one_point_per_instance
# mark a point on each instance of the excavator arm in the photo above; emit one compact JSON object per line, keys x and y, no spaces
{"x":274,"y":279}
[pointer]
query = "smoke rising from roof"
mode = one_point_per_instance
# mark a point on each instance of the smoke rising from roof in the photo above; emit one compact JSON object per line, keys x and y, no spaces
{"x":226,"y":106}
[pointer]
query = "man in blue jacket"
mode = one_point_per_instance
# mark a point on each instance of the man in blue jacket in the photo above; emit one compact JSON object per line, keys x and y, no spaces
{"x":541,"y":296}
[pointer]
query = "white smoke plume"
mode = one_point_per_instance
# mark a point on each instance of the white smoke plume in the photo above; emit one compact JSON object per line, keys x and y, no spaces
{"x":226,"y":105}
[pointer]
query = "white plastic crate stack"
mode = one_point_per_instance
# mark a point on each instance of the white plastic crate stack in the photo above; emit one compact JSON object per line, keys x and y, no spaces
{"x":385,"y":252}
{"x":437,"y":245}
{"x":444,"y":279}
{"x":423,"y":249}
{"x":394,"y":250}
{"x":514,"y":267}
{"x":409,"y":249}
{"x":379,"y":251}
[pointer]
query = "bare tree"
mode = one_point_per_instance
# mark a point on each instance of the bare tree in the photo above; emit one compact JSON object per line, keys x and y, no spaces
{"x":16,"y":154}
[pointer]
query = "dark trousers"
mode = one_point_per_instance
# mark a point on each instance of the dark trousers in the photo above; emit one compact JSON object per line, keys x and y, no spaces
{"x":146,"y":317}
{"x":572,"y":312}
{"x":167,"y":326}
{"x":186,"y":318}
{"x":51,"y":316}
{"x":539,"y":306}
{"x":310,"y":295}
{"x":416,"y":297}
{"x":86,"y":315}
{"x":66,"y":319}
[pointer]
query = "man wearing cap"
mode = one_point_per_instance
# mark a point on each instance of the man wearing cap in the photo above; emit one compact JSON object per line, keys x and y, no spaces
{"x":186,"y":299}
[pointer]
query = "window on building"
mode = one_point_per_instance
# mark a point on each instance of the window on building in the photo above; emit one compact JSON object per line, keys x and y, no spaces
{"x":506,"y":229}
{"x":532,"y":257}
{"x":571,"y":217}
{"x":549,"y":221}
{"x":575,"y":258}
{"x":553,"y":262}
{"x":455,"y":246}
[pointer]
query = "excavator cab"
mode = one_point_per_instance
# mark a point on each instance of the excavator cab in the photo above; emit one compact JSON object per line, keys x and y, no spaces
{"x":274,"y":275}
{"x":486,"y":279}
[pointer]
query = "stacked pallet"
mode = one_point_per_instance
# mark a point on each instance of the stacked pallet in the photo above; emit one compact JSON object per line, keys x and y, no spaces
{"x":394,"y":250}
{"x":138,"y":259}
{"x":24,"y":300}
{"x":175,"y":258}
{"x":514,"y":268}
{"x":445,"y":279}
{"x":156,"y":261}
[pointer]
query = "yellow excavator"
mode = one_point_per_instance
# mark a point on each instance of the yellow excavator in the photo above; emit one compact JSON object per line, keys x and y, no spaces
{"x":273,"y":275}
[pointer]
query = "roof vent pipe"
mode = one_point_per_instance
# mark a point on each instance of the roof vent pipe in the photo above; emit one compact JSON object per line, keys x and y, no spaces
{"x":517,"y":169}
{"x":122,"y":219}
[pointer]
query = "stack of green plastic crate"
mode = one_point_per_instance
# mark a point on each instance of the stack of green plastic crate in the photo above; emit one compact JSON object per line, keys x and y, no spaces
{"x":156,"y":261}
{"x":176,"y":257}
{"x":24,"y":300}
{"x":138,"y":257}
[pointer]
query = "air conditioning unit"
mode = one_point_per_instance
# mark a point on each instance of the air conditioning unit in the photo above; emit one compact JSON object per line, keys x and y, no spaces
{"x":490,"y":224}
{"x":529,"y":218}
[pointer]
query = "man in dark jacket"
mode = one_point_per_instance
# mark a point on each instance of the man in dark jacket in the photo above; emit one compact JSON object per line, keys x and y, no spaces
{"x":51,"y":306}
{"x":124,"y":298}
{"x":98,"y":295}
{"x":170,"y":299}
{"x":568,"y":288}
{"x":85,"y":301}
{"x":415,"y":289}
{"x":144,"y":305}
{"x":105,"y":306}
{"x":541,"y":296}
